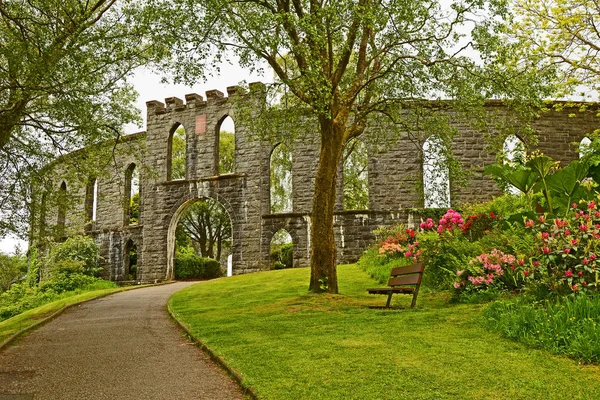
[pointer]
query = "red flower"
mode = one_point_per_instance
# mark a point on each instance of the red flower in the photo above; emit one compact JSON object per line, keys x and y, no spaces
{"x":574,"y":205}
{"x":580,"y":274}
{"x":592,"y":256}
{"x":568,"y":273}
{"x":536,"y":263}
{"x":526,"y":273}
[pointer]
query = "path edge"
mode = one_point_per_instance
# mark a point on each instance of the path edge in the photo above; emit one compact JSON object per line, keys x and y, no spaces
{"x":237,"y":378}
{"x":49,"y":318}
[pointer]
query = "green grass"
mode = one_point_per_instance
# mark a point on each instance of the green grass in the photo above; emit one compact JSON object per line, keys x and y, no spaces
{"x":24,"y":320}
{"x":288,"y":344}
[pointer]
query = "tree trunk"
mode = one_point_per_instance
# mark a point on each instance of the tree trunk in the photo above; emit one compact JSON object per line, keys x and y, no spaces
{"x":323,"y":276}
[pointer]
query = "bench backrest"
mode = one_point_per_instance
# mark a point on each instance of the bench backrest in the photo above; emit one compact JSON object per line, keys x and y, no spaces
{"x":409,"y":275}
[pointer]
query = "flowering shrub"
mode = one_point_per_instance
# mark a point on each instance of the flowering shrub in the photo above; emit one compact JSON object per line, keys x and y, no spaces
{"x":565,"y":259}
{"x":476,"y":226}
{"x":449,"y":221}
{"x":488,"y":269}
{"x":401,"y":244}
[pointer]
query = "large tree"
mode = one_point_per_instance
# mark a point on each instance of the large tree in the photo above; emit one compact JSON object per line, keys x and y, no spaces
{"x":63,"y":66}
{"x":345,"y":61}
{"x":563,"y":34}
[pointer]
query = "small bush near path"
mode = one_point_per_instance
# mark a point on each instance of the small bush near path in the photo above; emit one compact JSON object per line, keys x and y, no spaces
{"x":289,"y":344}
{"x":569,"y":326}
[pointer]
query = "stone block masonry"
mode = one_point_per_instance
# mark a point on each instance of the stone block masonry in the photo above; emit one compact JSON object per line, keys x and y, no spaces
{"x":394,"y":173}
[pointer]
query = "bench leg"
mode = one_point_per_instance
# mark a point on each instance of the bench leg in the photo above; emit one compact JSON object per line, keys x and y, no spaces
{"x":389,"y":300}
{"x":414,"y":299}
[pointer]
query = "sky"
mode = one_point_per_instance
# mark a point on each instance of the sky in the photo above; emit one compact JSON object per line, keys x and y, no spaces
{"x":149,"y":87}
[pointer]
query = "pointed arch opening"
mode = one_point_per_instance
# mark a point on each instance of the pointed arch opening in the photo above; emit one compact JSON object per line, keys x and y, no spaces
{"x":91,"y":200}
{"x":176,"y":153}
{"x":225,"y":145}
{"x":282,"y":250}
{"x":200,"y":240}
{"x":585,"y":147}
{"x":356,"y":176}
{"x":436,"y":174}
{"x":131,"y":201}
{"x":513,"y":151}
{"x":281,"y":179}
{"x":130,"y":261}
{"x":62,"y":211}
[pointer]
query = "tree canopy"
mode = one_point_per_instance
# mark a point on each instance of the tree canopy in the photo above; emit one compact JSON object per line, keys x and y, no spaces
{"x":63,"y":70}
{"x":563,"y":34}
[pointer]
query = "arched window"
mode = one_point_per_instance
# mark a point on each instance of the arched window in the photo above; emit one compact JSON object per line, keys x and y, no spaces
{"x":91,"y":199}
{"x":436,"y":174}
{"x":356,"y":176}
{"x":131,"y":201}
{"x":62,"y":210}
{"x":282,"y":250}
{"x":514,"y":150}
{"x":585,"y":146}
{"x":176,"y":153}
{"x":225,"y":157}
{"x":514,"y":153}
{"x":130,"y":260}
{"x":281,"y":178}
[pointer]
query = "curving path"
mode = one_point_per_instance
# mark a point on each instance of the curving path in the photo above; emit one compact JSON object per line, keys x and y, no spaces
{"x":123,"y":346}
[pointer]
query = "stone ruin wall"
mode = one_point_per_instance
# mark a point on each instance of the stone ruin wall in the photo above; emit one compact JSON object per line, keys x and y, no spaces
{"x":393,"y":176}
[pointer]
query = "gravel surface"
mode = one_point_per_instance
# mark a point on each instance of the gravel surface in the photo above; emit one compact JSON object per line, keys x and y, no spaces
{"x":123,"y":346}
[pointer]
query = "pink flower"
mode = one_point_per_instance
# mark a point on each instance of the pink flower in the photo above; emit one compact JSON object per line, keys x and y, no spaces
{"x":459,"y":272}
{"x":423,"y":225}
{"x":526,"y":273}
{"x":575,"y":288}
{"x":567,"y":250}
{"x":408,"y":254}
{"x":536,"y":263}
{"x":568,"y":273}
{"x":585,"y":261}
{"x":529,"y":223}
{"x":591,"y":205}
{"x":573,"y":242}
{"x":546,"y":250}
{"x":542,"y":219}
{"x":596,"y":214}
{"x":574,"y":205}
{"x":456,"y":285}
{"x":567,"y":232}
{"x":521,"y":262}
{"x":545,"y":235}
{"x":583,"y":228}
{"x":592,"y":256}
{"x":580,"y":274}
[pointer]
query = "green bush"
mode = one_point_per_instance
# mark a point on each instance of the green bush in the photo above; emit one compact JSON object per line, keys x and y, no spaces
{"x":81,"y":253}
{"x":568,"y":326}
{"x":379,"y":267}
{"x":282,"y":256}
{"x":189,"y":265}
{"x":12,"y":269}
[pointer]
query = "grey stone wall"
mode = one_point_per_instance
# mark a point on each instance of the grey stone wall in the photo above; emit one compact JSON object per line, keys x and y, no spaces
{"x":394,"y":174}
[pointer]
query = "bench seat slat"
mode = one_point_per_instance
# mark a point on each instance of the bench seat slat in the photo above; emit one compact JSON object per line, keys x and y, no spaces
{"x":405,"y":280}
{"x":390,"y":290}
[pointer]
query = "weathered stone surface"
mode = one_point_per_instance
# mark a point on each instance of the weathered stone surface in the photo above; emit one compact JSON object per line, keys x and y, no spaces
{"x":394,"y":173}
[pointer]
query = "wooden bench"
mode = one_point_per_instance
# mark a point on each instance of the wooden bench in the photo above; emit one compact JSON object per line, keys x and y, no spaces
{"x":405,"y":280}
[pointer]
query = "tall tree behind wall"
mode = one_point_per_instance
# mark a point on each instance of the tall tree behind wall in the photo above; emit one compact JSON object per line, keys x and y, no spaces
{"x":63,"y":70}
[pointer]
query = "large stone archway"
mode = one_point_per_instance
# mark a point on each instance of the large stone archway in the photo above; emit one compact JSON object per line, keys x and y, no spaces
{"x":183,"y":206}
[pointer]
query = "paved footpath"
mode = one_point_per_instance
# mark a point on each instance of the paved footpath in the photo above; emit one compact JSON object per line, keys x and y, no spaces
{"x":123,"y":346}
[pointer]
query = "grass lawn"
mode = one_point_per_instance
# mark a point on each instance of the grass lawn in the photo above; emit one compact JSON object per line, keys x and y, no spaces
{"x":24,"y":320}
{"x":288,"y":344}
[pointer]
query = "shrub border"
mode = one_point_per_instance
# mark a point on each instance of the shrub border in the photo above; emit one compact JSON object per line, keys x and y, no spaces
{"x":237,"y":378}
{"x":52,"y":316}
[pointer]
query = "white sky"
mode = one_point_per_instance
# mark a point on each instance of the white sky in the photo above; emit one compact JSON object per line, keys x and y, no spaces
{"x":149,"y":87}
